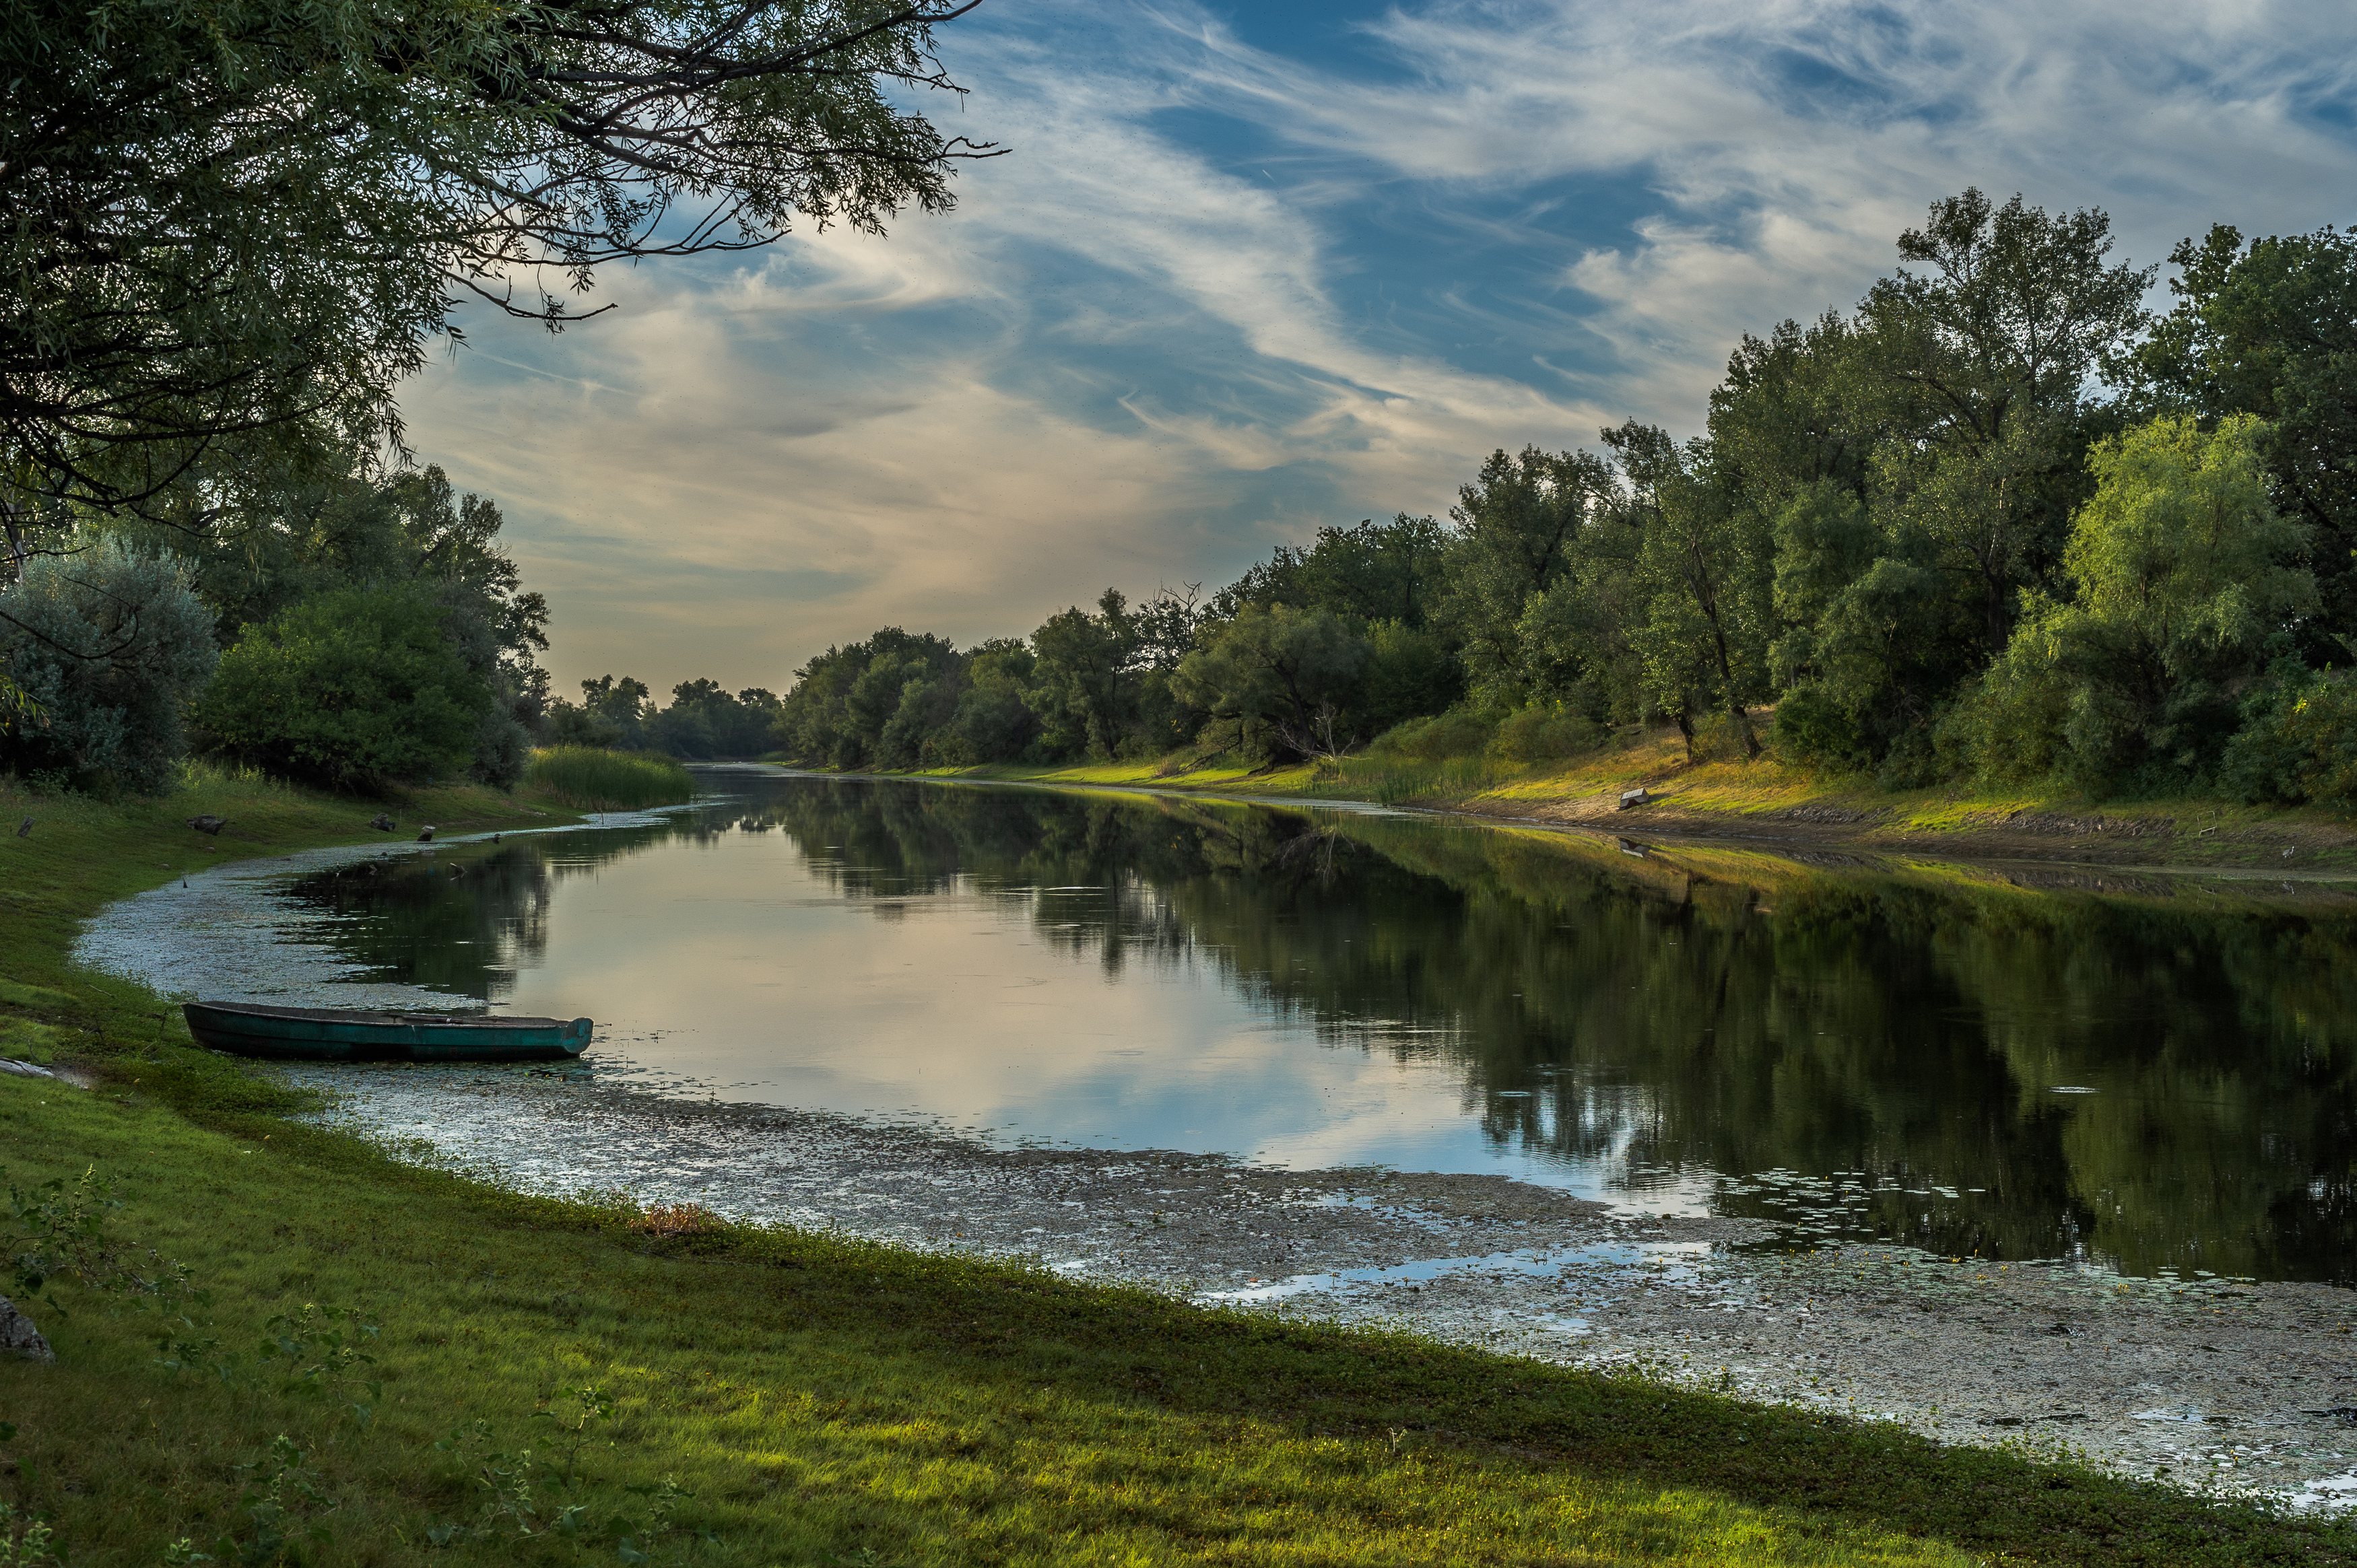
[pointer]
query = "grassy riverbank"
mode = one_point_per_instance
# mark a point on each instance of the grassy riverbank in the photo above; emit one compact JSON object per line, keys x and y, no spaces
{"x":1723,"y":796}
{"x":779,"y":1398}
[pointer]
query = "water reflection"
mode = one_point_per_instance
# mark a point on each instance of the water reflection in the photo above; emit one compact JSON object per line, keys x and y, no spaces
{"x":1864,"y":1051}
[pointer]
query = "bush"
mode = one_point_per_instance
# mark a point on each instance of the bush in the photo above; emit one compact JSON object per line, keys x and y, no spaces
{"x":112,"y":644}
{"x":350,"y":687}
{"x":2297,"y":743}
{"x":1545,"y":733}
{"x":1457,"y":732}
{"x":1815,"y":730}
{"x":596,"y":780}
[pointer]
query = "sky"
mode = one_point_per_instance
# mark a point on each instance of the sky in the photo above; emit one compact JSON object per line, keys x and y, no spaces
{"x":1246,"y":272}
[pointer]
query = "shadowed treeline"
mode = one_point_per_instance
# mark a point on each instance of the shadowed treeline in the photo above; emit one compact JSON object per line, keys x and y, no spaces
{"x":1740,"y":1013}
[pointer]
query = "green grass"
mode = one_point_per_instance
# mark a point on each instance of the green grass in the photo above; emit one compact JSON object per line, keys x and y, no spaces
{"x":1962,"y":819}
{"x":595,"y":780}
{"x":822,"y":1399}
{"x":817,"y":1400}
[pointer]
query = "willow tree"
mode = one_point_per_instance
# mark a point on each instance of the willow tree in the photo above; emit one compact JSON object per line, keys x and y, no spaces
{"x":244,"y":221}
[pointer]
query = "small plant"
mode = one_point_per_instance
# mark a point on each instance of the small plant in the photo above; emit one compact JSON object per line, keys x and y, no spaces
{"x":25,"y":1542}
{"x":503,"y":1478}
{"x":661,"y":1524}
{"x":280,"y":1492}
{"x":331,"y":1340}
{"x":583,"y":1409}
{"x":57,"y":1230}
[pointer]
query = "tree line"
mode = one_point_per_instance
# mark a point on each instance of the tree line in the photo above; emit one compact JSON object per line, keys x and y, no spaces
{"x":1998,"y":521}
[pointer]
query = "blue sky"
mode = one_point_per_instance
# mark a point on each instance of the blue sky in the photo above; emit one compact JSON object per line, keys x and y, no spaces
{"x":1249,"y":270}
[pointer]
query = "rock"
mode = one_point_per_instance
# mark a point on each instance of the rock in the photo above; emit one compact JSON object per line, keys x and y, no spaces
{"x":209,"y":824}
{"x":427,"y":836}
{"x":383,"y":822}
{"x":27,"y":830}
{"x":19,"y":1338}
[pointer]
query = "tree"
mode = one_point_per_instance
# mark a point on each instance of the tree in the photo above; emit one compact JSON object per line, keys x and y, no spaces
{"x":1087,"y":677}
{"x":2270,"y":329}
{"x":2185,"y":586}
{"x":1518,"y":527}
{"x":298,"y":538}
{"x":2001,"y":342}
{"x":1373,"y":572}
{"x":352,"y":688}
{"x":226,"y":218}
{"x":110,"y":643}
{"x":1706,"y":574}
{"x":1292,"y":671}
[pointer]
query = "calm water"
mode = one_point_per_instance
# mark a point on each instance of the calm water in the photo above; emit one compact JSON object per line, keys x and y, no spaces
{"x":2154,"y":1083}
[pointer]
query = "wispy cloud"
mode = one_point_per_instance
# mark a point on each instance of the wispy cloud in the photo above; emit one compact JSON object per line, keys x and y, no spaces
{"x":1235,"y":283}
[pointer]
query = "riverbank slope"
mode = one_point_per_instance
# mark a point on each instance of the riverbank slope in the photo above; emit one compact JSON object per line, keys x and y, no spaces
{"x":369,"y":1363}
{"x":1769,"y":804}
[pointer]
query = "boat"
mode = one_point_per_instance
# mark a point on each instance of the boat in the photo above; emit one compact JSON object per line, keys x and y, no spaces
{"x":353,"y":1034}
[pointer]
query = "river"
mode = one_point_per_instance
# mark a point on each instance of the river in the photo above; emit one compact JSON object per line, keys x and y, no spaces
{"x":2161,"y":1078}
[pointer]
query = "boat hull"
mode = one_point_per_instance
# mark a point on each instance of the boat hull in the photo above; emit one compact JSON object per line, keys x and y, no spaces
{"x":334,"y":1035}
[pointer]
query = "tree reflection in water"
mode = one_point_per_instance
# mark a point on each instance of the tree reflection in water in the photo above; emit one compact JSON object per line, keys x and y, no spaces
{"x":1738,"y":1013}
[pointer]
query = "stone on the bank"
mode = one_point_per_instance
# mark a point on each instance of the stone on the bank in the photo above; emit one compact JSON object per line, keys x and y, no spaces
{"x":19,"y":1338}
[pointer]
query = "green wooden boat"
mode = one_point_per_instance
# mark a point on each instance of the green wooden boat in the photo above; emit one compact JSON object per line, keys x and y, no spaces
{"x":347,"y":1035}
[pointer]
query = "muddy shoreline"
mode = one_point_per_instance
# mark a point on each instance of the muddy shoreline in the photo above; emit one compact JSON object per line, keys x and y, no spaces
{"x":2227,"y":1387}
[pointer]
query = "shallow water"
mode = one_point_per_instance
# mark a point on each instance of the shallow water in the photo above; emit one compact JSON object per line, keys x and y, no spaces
{"x":2151,"y":1082}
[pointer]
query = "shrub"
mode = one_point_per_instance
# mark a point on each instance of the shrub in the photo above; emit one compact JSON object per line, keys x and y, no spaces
{"x":1545,"y":733}
{"x":110,"y":644}
{"x":2298,"y":742}
{"x":1456,"y":733}
{"x":598,"y":780}
{"x":1815,"y":730}
{"x":350,"y":687}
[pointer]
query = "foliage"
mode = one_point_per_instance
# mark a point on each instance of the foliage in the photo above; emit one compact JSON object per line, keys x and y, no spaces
{"x":352,"y":687}
{"x":1287,"y":672}
{"x":1375,"y":572}
{"x":596,"y":780}
{"x":2297,"y":741}
{"x":243,"y":220}
{"x":1455,"y":733}
{"x":109,"y":643}
{"x":2270,"y":329}
{"x":703,"y":721}
{"x":2182,"y":591}
{"x":1519,"y":525}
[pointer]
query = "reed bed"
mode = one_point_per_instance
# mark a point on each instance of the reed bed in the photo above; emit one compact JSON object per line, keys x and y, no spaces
{"x":590,"y":779}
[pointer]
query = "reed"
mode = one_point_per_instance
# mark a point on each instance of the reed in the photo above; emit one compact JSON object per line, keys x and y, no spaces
{"x":595,"y":780}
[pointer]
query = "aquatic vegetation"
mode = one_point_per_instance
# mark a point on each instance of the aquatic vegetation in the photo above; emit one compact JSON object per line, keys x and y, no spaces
{"x":596,"y":780}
